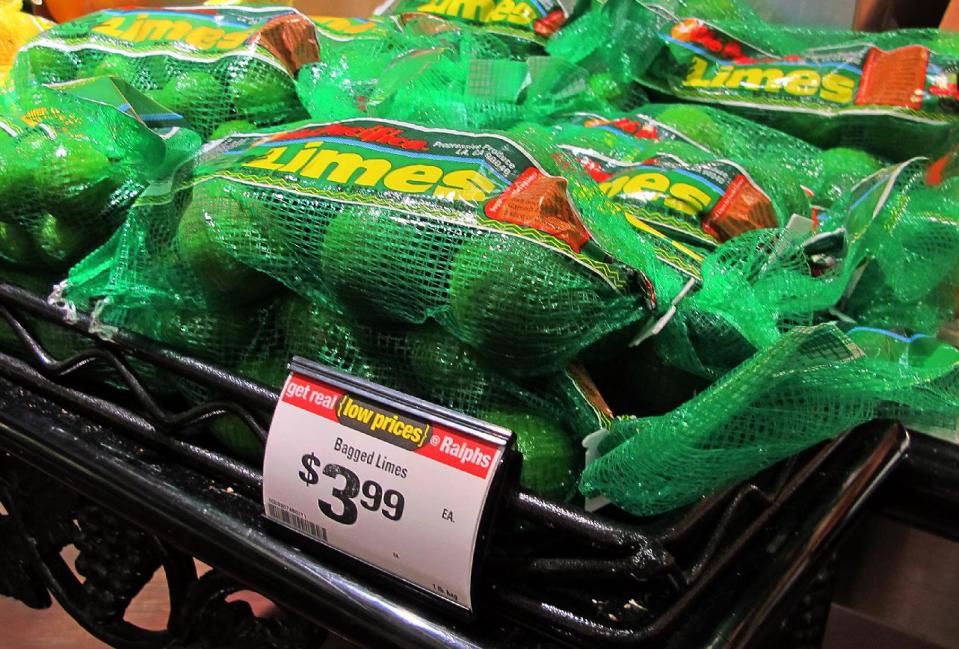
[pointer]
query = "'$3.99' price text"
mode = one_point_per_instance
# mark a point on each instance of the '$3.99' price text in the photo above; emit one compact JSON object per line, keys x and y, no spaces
{"x":347,"y":488}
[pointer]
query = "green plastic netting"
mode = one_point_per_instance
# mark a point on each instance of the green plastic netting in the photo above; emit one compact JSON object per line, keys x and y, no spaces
{"x":211,"y":66}
{"x":549,"y":414}
{"x":473,"y":231}
{"x":810,"y":385}
{"x":426,"y":70}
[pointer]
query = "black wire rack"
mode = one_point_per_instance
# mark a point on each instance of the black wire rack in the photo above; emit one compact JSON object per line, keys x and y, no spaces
{"x":716,"y":572}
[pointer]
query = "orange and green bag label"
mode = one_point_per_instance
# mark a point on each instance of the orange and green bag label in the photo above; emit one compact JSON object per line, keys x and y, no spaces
{"x":704,"y":203}
{"x":708,"y":63}
{"x":667,"y":246}
{"x":484,"y":181}
{"x":532,"y":20}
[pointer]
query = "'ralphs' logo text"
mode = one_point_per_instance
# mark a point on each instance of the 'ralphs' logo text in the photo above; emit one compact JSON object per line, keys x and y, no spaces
{"x":465,"y":452}
{"x":458,"y":450}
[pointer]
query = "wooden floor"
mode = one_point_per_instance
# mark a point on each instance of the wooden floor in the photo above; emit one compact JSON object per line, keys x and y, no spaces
{"x":24,"y":628}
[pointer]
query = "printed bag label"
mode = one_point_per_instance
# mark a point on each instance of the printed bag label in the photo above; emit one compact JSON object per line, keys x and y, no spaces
{"x":280,"y":36}
{"x":478,"y":180}
{"x":708,"y":63}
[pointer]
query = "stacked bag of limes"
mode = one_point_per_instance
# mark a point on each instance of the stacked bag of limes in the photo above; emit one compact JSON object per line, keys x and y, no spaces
{"x":892,"y":93}
{"x":473,"y":282}
{"x":73,"y":158}
{"x":210,"y":65}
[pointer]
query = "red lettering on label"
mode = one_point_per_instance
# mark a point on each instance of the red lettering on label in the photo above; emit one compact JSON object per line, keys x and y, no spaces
{"x":460,"y":451}
{"x":377,"y":134}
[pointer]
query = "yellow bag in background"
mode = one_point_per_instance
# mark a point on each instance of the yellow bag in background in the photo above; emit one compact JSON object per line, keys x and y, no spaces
{"x":16,"y":28}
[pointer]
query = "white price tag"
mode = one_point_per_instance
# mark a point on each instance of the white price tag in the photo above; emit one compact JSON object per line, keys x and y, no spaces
{"x":387,"y":479}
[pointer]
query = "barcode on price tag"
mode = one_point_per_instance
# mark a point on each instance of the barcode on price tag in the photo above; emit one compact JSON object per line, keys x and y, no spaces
{"x":283,"y":514}
{"x":390,"y":480}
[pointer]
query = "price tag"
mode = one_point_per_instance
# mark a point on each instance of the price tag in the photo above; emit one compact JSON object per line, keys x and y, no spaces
{"x":388,"y":479}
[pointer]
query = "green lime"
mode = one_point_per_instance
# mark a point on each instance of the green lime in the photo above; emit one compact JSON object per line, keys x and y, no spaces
{"x":842,"y":169}
{"x":216,"y":335}
{"x":263,"y":95}
{"x":447,"y":371}
{"x":230,"y":430}
{"x":387,"y":266}
{"x":193,"y":95}
{"x":238,"y":439}
{"x":785,"y":191}
{"x":515,"y":299}
{"x":17,"y":181}
{"x":74,"y":179}
{"x":696,"y":123}
{"x":317,"y":332}
{"x":549,"y":455}
{"x":213,"y":214}
{"x":232,"y":127}
{"x":63,"y":242}
{"x":604,"y":86}
{"x":267,"y":369}
{"x":157,"y":71}
{"x":16,"y":245}
{"x":117,"y":65}
{"x":49,"y":65}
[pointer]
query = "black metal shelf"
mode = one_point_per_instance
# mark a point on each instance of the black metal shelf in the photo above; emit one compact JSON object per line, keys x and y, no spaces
{"x":555,"y":574}
{"x":924,"y":491}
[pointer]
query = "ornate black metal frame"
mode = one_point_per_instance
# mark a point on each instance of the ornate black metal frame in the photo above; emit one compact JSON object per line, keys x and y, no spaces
{"x":135,"y":485}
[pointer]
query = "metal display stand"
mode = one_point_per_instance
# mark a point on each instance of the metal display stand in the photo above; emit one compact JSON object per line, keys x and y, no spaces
{"x":924,"y":492}
{"x":133,"y":480}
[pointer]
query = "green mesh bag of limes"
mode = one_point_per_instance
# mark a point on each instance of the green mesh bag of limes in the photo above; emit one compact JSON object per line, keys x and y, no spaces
{"x":73,"y":158}
{"x":254,"y":332}
{"x":893,"y":93}
{"x":882,"y":264}
{"x":395,"y":223}
{"x":212,"y":66}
